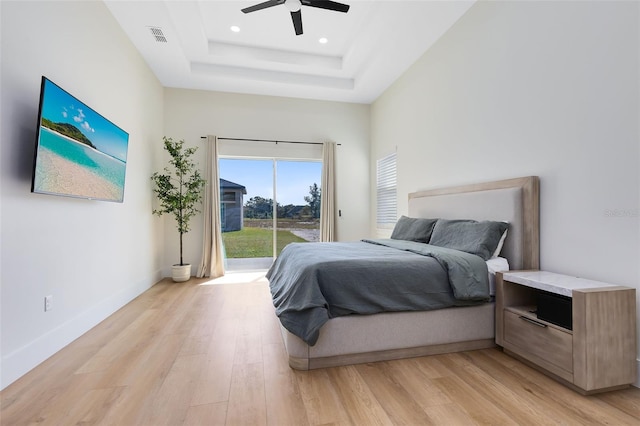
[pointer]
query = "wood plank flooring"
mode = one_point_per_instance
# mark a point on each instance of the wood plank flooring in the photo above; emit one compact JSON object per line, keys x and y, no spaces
{"x":205,"y":353}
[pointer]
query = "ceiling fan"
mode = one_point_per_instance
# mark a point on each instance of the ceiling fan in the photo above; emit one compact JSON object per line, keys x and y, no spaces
{"x":294,"y":7}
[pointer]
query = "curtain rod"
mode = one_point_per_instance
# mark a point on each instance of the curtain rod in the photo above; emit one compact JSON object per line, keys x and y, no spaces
{"x":268,"y":140}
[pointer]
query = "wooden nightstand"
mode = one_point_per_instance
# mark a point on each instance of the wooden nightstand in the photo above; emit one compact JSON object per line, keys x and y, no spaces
{"x":587,"y":337}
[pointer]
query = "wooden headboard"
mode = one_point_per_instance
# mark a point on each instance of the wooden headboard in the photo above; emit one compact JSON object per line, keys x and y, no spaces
{"x":513,"y":200}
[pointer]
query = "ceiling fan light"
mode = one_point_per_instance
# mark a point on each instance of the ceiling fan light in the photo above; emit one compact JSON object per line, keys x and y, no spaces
{"x":293,"y":5}
{"x":323,"y":40}
{"x":235,"y":28}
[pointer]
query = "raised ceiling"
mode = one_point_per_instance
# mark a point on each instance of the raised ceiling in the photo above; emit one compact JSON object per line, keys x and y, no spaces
{"x":368,"y":48}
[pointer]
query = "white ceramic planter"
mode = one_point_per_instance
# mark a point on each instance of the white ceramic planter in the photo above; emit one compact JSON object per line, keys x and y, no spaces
{"x":181,"y":273}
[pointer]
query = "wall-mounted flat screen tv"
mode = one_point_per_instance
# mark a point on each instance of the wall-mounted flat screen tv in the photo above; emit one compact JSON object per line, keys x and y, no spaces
{"x":79,"y":153}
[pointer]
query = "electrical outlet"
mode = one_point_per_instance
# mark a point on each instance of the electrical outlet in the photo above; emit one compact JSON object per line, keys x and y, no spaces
{"x":48,"y":300}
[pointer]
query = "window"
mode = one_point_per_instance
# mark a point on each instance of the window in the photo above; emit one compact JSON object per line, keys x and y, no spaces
{"x":386,"y":191}
{"x":228,"y":197}
{"x":277,"y":178}
{"x":279,"y":205}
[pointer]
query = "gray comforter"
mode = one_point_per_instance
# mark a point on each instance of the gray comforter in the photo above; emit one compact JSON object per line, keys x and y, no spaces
{"x":313,"y":282}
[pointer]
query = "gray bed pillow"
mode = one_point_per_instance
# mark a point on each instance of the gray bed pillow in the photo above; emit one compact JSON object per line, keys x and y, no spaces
{"x":479,"y":238}
{"x":413,"y":229}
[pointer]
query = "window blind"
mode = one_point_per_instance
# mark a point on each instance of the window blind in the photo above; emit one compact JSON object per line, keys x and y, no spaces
{"x":386,"y":191}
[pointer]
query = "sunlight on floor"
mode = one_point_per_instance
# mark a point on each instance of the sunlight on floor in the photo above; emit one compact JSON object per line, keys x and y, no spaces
{"x":239,"y":277}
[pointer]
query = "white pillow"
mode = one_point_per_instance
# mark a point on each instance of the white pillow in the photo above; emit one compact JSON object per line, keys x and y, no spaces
{"x":500,"y":243}
{"x":498,"y":264}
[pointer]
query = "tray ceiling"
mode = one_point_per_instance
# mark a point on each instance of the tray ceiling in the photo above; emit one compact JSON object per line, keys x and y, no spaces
{"x":190,"y":44}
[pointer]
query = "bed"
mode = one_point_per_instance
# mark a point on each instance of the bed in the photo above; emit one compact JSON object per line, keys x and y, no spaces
{"x":353,"y":339}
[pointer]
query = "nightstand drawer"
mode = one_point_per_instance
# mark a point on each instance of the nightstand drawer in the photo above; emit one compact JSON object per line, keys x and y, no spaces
{"x":546,"y":342}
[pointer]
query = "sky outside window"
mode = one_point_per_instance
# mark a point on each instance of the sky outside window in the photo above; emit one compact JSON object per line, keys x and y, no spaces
{"x":294,"y":178}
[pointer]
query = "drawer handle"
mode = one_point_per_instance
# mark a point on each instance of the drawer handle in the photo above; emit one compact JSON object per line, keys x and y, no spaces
{"x":534,"y":322}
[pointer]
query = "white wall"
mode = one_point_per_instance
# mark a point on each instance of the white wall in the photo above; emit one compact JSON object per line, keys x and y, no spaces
{"x":92,"y":256}
{"x":190,"y":114}
{"x":532,"y":88}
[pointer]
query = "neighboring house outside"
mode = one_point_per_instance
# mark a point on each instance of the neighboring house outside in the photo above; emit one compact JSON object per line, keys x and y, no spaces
{"x":231,"y":202}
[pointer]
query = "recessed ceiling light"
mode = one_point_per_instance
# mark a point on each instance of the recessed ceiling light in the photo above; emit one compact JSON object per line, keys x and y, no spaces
{"x":235,"y":28}
{"x":323,"y":40}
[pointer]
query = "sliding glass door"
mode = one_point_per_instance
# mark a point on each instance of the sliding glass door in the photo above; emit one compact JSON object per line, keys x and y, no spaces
{"x":246,"y":194}
{"x":298,"y":195}
{"x":265,"y":205}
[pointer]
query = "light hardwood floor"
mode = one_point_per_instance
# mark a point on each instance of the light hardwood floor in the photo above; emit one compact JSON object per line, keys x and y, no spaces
{"x":199,"y":353}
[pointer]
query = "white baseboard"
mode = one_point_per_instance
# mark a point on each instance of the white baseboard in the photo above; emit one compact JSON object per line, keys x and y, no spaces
{"x":21,"y":361}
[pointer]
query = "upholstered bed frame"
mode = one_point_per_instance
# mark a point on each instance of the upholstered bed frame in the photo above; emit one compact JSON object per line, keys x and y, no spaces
{"x":367,"y":338}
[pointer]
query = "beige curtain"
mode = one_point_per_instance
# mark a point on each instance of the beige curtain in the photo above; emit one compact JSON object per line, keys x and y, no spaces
{"x":328,"y":199}
{"x":212,"y":264}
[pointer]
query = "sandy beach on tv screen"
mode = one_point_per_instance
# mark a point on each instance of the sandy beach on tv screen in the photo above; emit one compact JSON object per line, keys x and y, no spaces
{"x":66,"y":177}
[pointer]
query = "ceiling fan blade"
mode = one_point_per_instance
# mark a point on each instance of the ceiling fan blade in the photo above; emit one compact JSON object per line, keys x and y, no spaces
{"x":326,"y":4}
{"x":263,"y":5}
{"x":296,"y":17}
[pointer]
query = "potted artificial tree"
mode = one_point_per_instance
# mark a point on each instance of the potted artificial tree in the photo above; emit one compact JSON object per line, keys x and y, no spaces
{"x":179,"y":190}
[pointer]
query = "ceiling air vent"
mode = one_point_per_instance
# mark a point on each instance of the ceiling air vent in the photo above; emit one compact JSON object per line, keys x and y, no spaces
{"x":158,"y":34}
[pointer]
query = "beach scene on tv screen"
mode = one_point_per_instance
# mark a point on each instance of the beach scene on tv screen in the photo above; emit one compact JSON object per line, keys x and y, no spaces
{"x":80,"y":153}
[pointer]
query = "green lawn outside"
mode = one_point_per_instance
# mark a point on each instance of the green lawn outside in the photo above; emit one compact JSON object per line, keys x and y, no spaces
{"x":283,"y":223}
{"x":255,"y":242}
